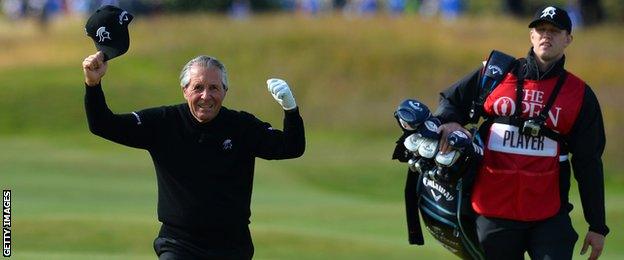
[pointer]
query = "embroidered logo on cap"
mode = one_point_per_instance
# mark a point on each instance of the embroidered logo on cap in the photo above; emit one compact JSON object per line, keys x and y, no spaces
{"x":103,"y":34}
{"x":123,"y":17}
{"x":549,"y":11}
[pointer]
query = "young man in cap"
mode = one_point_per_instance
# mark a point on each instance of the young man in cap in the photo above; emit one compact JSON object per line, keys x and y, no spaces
{"x":522,"y":185}
{"x":203,"y":154}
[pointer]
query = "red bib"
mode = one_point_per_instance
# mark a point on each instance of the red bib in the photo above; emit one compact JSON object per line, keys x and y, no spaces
{"x":519,"y":176}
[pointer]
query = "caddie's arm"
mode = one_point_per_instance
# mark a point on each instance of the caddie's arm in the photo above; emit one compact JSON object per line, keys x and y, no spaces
{"x":126,"y":129}
{"x":454,"y":107}
{"x":586,"y":142}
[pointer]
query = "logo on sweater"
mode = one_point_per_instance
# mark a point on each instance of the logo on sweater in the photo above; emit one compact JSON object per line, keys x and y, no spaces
{"x":227,"y":144}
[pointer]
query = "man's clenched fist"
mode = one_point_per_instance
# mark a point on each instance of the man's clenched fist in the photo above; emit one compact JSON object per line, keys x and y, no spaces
{"x":281,"y":92}
{"x":94,"y":68}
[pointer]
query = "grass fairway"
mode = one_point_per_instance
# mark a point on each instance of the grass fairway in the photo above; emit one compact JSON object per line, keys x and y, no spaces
{"x":76,"y":196}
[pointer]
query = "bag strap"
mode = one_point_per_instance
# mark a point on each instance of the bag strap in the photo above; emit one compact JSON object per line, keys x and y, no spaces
{"x":415,"y":235}
{"x":520,"y":74}
{"x":551,"y":100}
{"x":543,"y":115}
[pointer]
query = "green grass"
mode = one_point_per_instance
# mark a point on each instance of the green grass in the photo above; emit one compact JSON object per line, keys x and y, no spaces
{"x":79,"y":197}
{"x":72,"y":201}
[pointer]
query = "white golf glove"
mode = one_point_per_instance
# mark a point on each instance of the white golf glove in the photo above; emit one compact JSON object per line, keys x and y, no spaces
{"x":281,"y":92}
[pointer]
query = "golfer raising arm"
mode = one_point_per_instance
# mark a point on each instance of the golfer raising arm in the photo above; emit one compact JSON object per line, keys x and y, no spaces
{"x":204,"y":156}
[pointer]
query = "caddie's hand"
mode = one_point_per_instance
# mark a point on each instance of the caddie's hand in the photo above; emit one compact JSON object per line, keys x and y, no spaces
{"x":94,"y":68}
{"x":281,"y":92}
{"x":445,"y":130}
{"x":596,"y":241}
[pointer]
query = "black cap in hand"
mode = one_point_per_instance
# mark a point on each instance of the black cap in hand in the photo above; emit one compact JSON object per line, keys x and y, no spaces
{"x":108,"y":28}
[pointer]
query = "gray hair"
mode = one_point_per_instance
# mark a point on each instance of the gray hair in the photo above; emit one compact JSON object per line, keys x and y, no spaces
{"x":205,"y":62}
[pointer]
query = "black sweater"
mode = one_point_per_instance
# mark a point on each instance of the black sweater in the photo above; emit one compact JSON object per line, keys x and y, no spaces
{"x":586,"y":141}
{"x":204,"y":171}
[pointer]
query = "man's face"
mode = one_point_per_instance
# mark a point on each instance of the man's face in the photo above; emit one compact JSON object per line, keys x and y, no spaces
{"x":204,"y":93}
{"x":549,"y":41}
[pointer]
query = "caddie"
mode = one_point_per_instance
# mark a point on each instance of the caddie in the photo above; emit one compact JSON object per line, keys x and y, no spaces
{"x":537,"y":117}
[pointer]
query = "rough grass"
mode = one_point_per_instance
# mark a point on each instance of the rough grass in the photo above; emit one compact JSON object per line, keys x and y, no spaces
{"x":79,"y":197}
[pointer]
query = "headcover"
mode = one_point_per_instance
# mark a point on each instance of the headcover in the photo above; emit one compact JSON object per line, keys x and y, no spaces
{"x":108,"y":28}
{"x":496,"y":68}
{"x":413,"y":142}
{"x":494,"y":71}
{"x":411,"y":113}
{"x":429,"y":129}
{"x":458,"y":140}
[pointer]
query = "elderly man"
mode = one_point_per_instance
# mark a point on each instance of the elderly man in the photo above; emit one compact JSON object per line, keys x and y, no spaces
{"x":203,"y":154}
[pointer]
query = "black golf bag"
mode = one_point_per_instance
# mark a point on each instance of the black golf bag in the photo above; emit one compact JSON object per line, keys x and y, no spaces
{"x":438,"y":186}
{"x":436,"y":182}
{"x":446,"y":212}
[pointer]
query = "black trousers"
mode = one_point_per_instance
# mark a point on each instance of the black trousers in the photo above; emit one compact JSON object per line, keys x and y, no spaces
{"x":175,"y":243}
{"x":552,"y":238}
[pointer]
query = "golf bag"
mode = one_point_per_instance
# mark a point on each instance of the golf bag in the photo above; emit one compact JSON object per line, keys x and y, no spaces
{"x":436,"y":182}
{"x":438,"y":185}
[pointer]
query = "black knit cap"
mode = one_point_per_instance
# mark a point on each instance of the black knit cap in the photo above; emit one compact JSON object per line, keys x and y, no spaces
{"x":554,"y":15}
{"x":108,"y":28}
